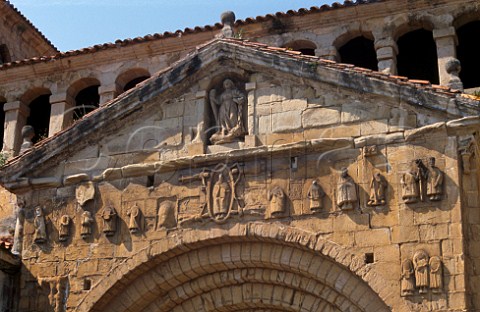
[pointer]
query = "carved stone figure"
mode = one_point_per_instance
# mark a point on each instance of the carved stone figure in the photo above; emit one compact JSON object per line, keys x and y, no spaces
{"x":453,"y":68}
{"x":64,"y":228}
{"x":228,"y":20}
{"x":109,"y":216}
{"x":420,"y":263}
{"x":166,"y":215}
{"x":84,"y":193}
{"x":220,"y":195}
{"x":18,"y":235}
{"x":378,"y":186}
{"x":434,"y":178}
{"x":228,"y":112}
{"x":276,"y":197}
{"x":346,"y":191}
{"x":408,"y":278}
{"x":86,"y":224}
{"x":27,"y":135}
{"x":436,"y":281}
{"x":40,"y":236}
{"x":315,"y":195}
{"x":409,"y":182}
{"x":134,"y":214}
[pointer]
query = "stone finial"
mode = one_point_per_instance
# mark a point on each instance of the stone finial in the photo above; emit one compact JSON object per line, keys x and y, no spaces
{"x":453,"y":68}
{"x":228,"y":19}
{"x":27,"y":135}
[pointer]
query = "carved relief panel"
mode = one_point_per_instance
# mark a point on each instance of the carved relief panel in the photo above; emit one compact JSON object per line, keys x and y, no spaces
{"x":422,"y":182}
{"x":228,"y":102}
{"x":421,"y":274}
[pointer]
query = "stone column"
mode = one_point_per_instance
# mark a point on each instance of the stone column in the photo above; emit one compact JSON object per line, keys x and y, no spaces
{"x":387,"y":51}
{"x":107,"y":93}
{"x":251,"y":138}
{"x":61,"y":115}
{"x":16,"y":114}
{"x":328,"y":53}
{"x":446,"y":39}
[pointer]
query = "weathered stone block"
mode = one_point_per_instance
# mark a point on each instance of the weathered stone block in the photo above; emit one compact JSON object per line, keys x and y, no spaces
{"x":315,"y":117}
{"x":286,"y":121}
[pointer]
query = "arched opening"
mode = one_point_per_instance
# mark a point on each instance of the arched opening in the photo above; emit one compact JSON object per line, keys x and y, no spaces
{"x":360,"y":52}
{"x":468,"y":52}
{"x":2,"y":120}
{"x":4,"y":54}
{"x":130,"y":78}
{"x":304,"y":46}
{"x":417,"y":56}
{"x":85,"y":95}
{"x":237,"y":271}
{"x":86,"y":101}
{"x":39,"y":117}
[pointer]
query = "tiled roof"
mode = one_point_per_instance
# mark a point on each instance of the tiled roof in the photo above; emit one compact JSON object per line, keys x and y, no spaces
{"x":419,"y":84}
{"x":29,"y":23}
{"x":312,"y":60}
{"x":180,"y":33}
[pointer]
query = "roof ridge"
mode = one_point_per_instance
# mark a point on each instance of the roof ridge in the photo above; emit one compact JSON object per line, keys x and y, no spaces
{"x":187,"y":31}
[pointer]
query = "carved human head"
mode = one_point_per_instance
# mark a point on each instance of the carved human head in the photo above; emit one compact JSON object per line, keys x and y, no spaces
{"x":228,"y":84}
{"x":28,"y":133}
{"x":38,"y":211}
{"x":431,"y":161}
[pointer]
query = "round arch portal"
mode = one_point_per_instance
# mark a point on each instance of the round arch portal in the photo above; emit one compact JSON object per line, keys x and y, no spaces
{"x":249,"y":267}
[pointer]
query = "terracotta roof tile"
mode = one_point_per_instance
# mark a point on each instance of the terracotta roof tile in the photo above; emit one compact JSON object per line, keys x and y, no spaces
{"x":400,"y":80}
{"x":179,"y":33}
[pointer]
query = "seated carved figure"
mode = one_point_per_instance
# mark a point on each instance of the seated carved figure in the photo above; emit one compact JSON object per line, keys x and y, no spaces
{"x":228,"y":112}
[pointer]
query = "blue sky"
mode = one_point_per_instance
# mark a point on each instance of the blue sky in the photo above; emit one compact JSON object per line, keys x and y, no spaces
{"x":75,"y":24}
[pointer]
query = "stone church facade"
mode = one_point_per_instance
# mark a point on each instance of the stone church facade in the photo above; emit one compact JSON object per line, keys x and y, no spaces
{"x":258,"y":165}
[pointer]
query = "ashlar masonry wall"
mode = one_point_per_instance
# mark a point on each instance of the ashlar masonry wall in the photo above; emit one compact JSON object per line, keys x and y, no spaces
{"x":312,"y":131}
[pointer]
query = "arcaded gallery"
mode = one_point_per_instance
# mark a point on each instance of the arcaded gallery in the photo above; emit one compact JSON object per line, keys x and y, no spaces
{"x":319,"y":159}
